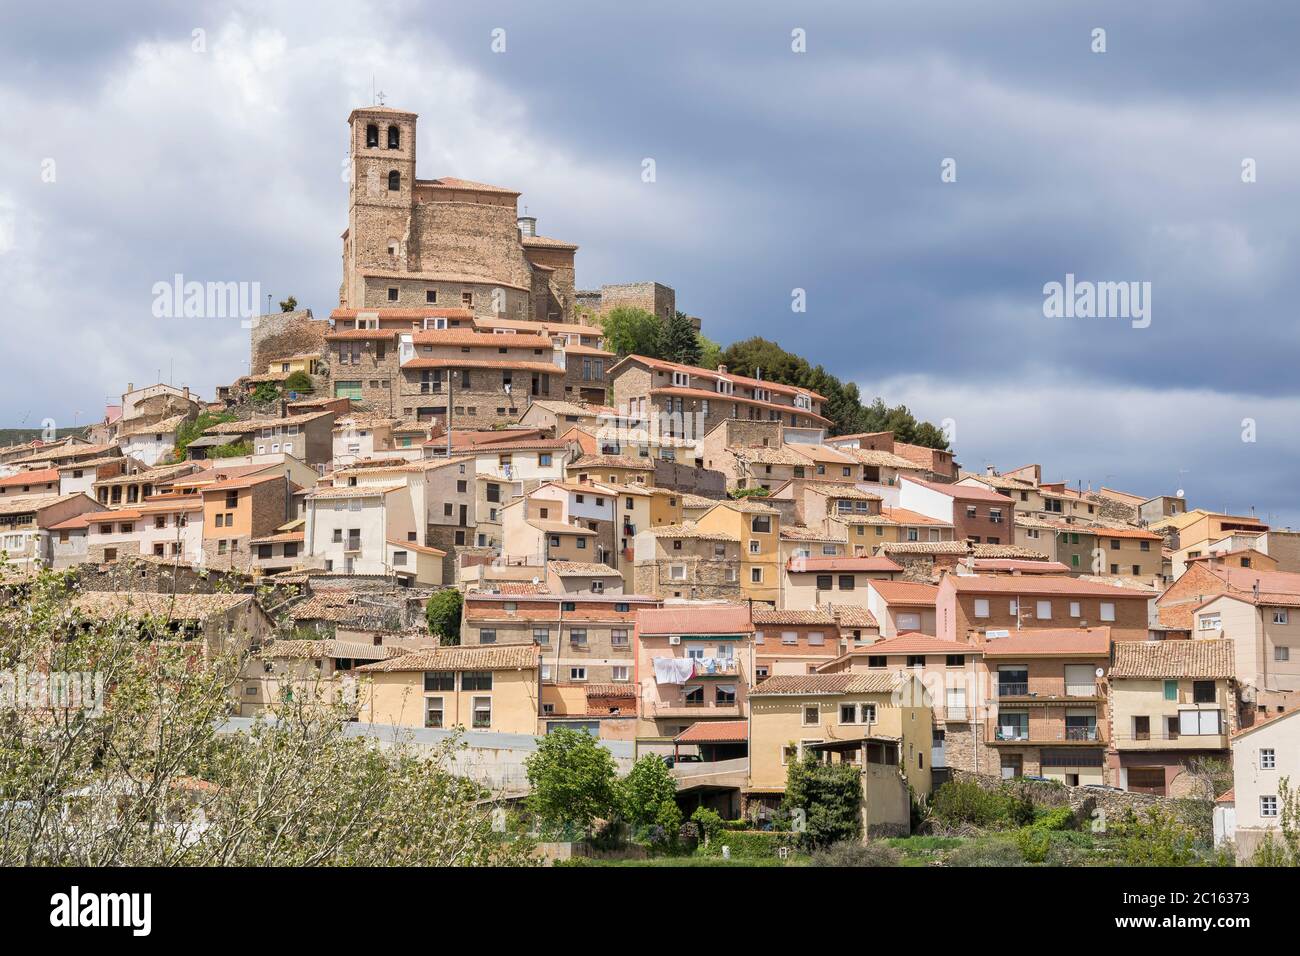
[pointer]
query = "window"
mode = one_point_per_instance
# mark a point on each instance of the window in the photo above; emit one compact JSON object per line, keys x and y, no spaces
{"x":482,"y":712}
{"x":1141,"y":728}
{"x":824,"y":582}
{"x":1171,"y":690}
{"x":619,"y":673}
{"x":578,"y":637}
{"x":542,"y":635}
{"x":1193,"y":723}
{"x":811,"y":716}
{"x":1203,"y":692}
{"x":577,"y":673}
{"x":981,"y":607}
{"x":1268,"y":806}
{"x":394,"y":181}
{"x":1075,"y":610}
{"x":1044,"y":611}
{"x":433,"y":712}
{"x":789,"y":637}
{"x":1107,"y":610}
{"x":876,"y":661}
{"x":394,"y":138}
{"x":1280,"y":616}
{"x":431,"y":296}
{"x":618,"y":637}
{"x":756,"y":575}
{"x":487,"y":635}
{"x":372,"y":135}
{"x":846,"y":582}
{"x":955,"y":660}
{"x":1281,"y":653}
{"x":476,"y":680}
{"x":1267,"y":759}
{"x":762,"y":524}
{"x":915,"y":660}
{"x":909,"y":622}
{"x":439,"y":680}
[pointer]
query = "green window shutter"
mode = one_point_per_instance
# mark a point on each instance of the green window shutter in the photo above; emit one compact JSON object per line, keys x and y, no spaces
{"x":1171,"y":690}
{"x":1074,"y":560}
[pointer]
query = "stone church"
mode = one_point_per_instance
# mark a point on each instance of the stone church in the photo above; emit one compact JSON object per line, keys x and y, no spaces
{"x":442,"y":243}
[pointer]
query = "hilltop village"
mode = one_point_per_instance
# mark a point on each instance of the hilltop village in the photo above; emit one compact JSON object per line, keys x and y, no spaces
{"x":676,"y":559}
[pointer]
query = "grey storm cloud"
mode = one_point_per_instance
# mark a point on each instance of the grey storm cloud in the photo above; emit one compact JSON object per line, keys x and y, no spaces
{"x":775,"y":171}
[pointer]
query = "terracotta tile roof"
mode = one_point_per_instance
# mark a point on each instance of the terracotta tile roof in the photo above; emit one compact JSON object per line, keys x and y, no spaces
{"x":286,"y":537}
{"x":715,"y":732}
{"x":610,"y":690}
{"x":858,"y":564}
{"x":804,"y":533}
{"x":813,"y":617}
{"x":852,"y":616}
{"x":21,"y":504}
{"x":677,"y":391}
{"x":467,"y":185}
{"x":457,"y":362}
{"x":559,"y":527}
{"x":698,"y":501}
{"x":1275,"y":587}
{"x":1266,"y":720}
{"x":578,"y":569}
{"x":782,"y":455}
{"x":308,"y":650}
{"x":1135,"y":533}
{"x":613,"y":461}
{"x":137,"y":604}
{"x":905,"y":593}
{"x":715,"y":619}
{"x":482,"y":657}
{"x":37,"y":477}
{"x":904,"y":516}
{"x":824,"y":453}
{"x":851,"y":492}
{"x":1203,"y":660}
{"x":806,"y":685}
{"x":234,"y":484}
{"x":1051,"y":642}
{"x":254,"y":424}
{"x":546,"y":242}
{"x":923,"y":547}
{"x":913,"y":642}
{"x":1037,"y":584}
{"x":494,"y":340}
{"x":354,"y":491}
{"x":749,"y":505}
{"x":714,"y":375}
{"x":689,"y":530}
{"x":398,"y":314}
{"x":962,"y":492}
{"x":882,"y":459}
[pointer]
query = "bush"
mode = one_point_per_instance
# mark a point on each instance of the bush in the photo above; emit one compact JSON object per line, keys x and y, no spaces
{"x":298,"y":381}
{"x":1033,"y":844}
{"x":960,"y":802}
{"x":751,"y":844}
{"x":986,"y":853}
{"x":1057,"y":818}
{"x":852,"y":853}
{"x":709,"y":823}
{"x":1270,"y":852}
{"x":1157,"y":839}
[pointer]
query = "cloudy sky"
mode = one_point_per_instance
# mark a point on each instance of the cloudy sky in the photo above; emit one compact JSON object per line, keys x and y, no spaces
{"x":133,"y":149}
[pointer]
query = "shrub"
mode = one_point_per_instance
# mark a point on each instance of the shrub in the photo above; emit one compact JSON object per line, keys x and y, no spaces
{"x":1157,"y":839}
{"x":709,"y":822}
{"x":1270,"y":852}
{"x":986,"y":853}
{"x":298,"y":381}
{"x":966,"y":802}
{"x":751,"y":844}
{"x":646,"y":789}
{"x":1057,"y":818}
{"x":1033,"y":844}
{"x":852,"y":853}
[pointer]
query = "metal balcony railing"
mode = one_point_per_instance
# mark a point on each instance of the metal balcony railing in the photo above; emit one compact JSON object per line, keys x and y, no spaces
{"x":1013,"y":689}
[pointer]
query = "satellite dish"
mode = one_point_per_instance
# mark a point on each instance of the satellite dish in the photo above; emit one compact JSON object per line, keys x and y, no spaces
{"x":1180,"y":493}
{"x":1101,"y":672}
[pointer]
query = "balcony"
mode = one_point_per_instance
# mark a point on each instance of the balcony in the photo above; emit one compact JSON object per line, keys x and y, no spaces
{"x":1037,"y":734}
{"x":700,"y":710}
{"x":1050,"y":690}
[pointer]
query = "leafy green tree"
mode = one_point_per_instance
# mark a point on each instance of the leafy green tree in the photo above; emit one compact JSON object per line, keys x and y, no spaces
{"x":645,"y":789}
{"x":757,"y":491}
{"x":239,"y":449}
{"x":678,"y":340}
{"x":574,"y":783}
{"x":265,"y":392}
{"x":443,"y":615}
{"x":828,"y":799}
{"x":709,"y":821}
{"x":289,"y":304}
{"x":843,"y":405}
{"x":298,"y":381}
{"x":144,"y":773}
{"x":632,"y":331}
{"x":710,"y":351}
{"x":192,"y":429}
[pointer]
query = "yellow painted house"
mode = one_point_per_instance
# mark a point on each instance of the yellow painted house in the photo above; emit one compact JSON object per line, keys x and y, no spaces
{"x":758,"y":527}
{"x":492,"y":688}
{"x":870,"y":720}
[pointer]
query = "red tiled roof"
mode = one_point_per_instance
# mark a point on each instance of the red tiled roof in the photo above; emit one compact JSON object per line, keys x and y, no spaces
{"x":906,"y":592}
{"x":720,"y":619}
{"x":962,"y":492}
{"x":1037,"y":584}
{"x":38,"y":477}
{"x":914,"y":642}
{"x":715,"y":732}
{"x":1051,"y":642}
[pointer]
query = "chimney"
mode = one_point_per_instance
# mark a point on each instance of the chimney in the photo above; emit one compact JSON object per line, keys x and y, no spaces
{"x":990,"y":471}
{"x":527,"y":225}
{"x":722,"y":370}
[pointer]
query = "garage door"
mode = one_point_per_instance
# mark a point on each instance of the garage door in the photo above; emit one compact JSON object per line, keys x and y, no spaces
{"x":1147,"y":780}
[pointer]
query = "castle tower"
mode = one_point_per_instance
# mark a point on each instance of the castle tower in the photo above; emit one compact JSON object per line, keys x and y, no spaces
{"x":381,"y":195}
